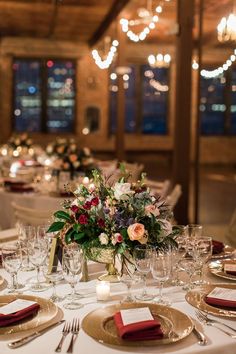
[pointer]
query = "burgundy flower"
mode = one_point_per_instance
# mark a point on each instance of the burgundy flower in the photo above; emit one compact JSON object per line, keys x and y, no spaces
{"x":119,"y":238}
{"x":87,"y":205}
{"x":101,"y":223}
{"x":83,"y":219}
{"x":95,"y":201}
{"x":74,"y":208}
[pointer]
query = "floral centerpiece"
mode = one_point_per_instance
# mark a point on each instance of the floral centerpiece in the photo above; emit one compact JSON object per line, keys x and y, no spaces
{"x":114,"y":218}
{"x":67,"y":157}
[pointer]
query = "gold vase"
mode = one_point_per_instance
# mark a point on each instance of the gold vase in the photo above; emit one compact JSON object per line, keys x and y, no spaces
{"x":105,"y":256}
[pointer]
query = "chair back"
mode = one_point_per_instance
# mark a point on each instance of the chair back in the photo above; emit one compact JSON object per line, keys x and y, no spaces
{"x":31,"y":216}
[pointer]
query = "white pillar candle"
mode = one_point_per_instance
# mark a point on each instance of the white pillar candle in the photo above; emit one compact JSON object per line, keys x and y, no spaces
{"x":103,"y":290}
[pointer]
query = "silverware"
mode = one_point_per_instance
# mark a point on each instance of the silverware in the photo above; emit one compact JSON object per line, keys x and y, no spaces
{"x":65,"y":331}
{"x":214,"y":324}
{"x":204,"y":315}
{"x":75,"y":331}
{"x":202,"y":340}
{"x":29,"y":338}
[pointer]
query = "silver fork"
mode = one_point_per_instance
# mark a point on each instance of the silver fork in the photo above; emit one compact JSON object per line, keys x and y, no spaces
{"x":75,"y":331}
{"x":216,"y":321}
{"x":65,"y":331}
{"x":208,"y":322}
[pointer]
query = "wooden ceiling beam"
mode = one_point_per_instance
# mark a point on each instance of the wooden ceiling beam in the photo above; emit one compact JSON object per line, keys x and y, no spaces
{"x":116,"y":8}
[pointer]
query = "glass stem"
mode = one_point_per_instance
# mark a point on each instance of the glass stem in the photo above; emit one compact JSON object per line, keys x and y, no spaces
{"x":144,"y":284}
{"x":54,"y":294}
{"x":160,"y":290}
{"x":13,"y":281}
{"x":38,"y":271}
{"x":72,"y":290}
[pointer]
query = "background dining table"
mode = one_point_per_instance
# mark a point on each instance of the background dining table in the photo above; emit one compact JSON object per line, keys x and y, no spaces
{"x":218,"y":342}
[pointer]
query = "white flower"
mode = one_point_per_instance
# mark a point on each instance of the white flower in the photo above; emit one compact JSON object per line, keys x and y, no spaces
{"x":103,"y":238}
{"x":166,"y":227}
{"x":122,"y":190}
{"x":152,"y":209}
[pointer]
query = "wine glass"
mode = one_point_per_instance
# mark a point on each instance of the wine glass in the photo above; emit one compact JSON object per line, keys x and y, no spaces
{"x":161,"y":270}
{"x":38,"y":251}
{"x":72,"y":270}
{"x":194,"y":230}
{"x":203,"y":252}
{"x":129,"y":280}
{"x":188,"y":262}
{"x":142,"y":255}
{"x":54,"y":275}
{"x":177,"y":253}
{"x":11,"y":258}
{"x":26,"y":233}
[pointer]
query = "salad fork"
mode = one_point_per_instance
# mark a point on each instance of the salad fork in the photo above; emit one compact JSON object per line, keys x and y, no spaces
{"x":208,"y":322}
{"x":75,"y":331}
{"x":204,"y":315}
{"x":65,"y":331}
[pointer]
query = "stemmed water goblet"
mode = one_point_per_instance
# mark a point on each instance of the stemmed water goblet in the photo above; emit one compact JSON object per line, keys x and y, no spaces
{"x":11,"y":258}
{"x":142,"y":256}
{"x":72,"y":261}
{"x":188,"y":262}
{"x":194,"y":230}
{"x":53,"y":274}
{"x":38,"y":251}
{"x":26,"y":233}
{"x":161,"y":270}
{"x":203,"y":252}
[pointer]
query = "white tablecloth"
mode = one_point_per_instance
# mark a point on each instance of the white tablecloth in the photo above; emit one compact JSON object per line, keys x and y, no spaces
{"x":218,"y":342}
{"x":29,"y":200}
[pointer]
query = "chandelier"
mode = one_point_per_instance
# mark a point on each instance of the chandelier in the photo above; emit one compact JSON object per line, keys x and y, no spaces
{"x":159,"y":61}
{"x":104,"y":61}
{"x":226,"y":29}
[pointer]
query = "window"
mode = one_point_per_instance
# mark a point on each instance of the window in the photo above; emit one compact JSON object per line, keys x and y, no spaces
{"x":44,"y":95}
{"x":218,"y":105}
{"x":146,"y":100}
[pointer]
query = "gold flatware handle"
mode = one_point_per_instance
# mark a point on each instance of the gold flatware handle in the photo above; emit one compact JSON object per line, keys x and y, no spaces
{"x":27,"y":339}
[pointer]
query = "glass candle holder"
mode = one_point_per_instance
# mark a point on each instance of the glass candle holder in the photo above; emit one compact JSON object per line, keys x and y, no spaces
{"x":103,"y":290}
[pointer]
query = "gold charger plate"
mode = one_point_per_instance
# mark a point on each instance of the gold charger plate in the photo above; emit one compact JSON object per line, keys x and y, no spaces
{"x":47,"y":314}
{"x":217,"y":268}
{"x":227,"y":252}
{"x":196,"y":299}
{"x":3,"y":283}
{"x":174,"y":323}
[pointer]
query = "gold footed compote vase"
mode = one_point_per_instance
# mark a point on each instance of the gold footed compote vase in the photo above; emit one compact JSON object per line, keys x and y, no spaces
{"x":105,"y":256}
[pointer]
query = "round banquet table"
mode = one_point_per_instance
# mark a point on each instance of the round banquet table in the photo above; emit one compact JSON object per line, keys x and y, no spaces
{"x":29,"y":200}
{"x":218,"y":342}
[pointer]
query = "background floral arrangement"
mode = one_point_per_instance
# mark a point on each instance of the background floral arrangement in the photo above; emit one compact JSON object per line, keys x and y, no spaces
{"x":18,"y":145}
{"x":67,"y":156}
{"x":118,"y":217}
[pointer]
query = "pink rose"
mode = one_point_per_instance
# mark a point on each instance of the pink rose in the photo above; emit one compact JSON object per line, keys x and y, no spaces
{"x":152,"y":209}
{"x":116,"y":238}
{"x":136,"y":232}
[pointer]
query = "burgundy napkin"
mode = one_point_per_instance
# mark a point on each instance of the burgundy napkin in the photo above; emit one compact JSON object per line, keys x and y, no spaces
{"x":145,"y":330}
{"x":232,"y":272}
{"x":20,"y":189}
{"x":220,"y":302}
{"x":218,"y":247}
{"x":14,"y":318}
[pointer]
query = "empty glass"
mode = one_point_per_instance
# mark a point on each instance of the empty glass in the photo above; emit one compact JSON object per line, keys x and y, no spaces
{"x":11,"y":258}
{"x":143,"y":255}
{"x":38,"y":251}
{"x":26,"y":233}
{"x":72,"y":270}
{"x":203,"y":252}
{"x":194,"y":230}
{"x":54,"y":275}
{"x":161,"y":269}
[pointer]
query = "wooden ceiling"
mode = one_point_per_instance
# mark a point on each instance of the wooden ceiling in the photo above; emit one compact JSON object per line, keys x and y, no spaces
{"x":88,"y":20}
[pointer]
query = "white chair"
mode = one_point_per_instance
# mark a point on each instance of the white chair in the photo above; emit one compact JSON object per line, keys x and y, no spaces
{"x":231,"y":231}
{"x":107,"y":167}
{"x":135,"y":170}
{"x":173,"y":197}
{"x":31,"y":216}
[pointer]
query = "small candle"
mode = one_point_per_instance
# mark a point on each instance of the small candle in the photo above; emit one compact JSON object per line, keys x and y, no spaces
{"x":103,"y":290}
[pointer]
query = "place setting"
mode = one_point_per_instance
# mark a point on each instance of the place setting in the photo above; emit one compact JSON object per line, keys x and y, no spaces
{"x":223,"y":268}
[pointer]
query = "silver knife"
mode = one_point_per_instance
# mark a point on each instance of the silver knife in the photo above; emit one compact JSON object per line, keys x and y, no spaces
{"x":27,"y":339}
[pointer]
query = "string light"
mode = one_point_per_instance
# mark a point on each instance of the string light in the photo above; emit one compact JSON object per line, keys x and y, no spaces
{"x":210,"y":74}
{"x":105,"y":63}
{"x":159,"y":60}
{"x":227,"y":29}
{"x":146,"y":17}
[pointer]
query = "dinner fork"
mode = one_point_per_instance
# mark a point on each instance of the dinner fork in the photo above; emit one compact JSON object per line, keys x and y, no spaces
{"x":75,"y":331}
{"x":208,"y":322}
{"x":65,"y":331}
{"x":204,"y":315}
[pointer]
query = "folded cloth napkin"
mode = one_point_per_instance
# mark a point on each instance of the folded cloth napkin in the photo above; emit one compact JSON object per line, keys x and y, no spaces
{"x":220,"y":302}
{"x":14,"y":318}
{"x":21,"y":189}
{"x":218,"y":247}
{"x":145,"y":330}
{"x":230,"y":267}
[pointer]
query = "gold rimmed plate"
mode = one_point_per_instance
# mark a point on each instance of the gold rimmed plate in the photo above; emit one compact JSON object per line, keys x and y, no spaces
{"x":196,"y":298}
{"x":175,"y":324}
{"x":217,"y":268}
{"x":47,"y":314}
{"x":227,"y":252}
